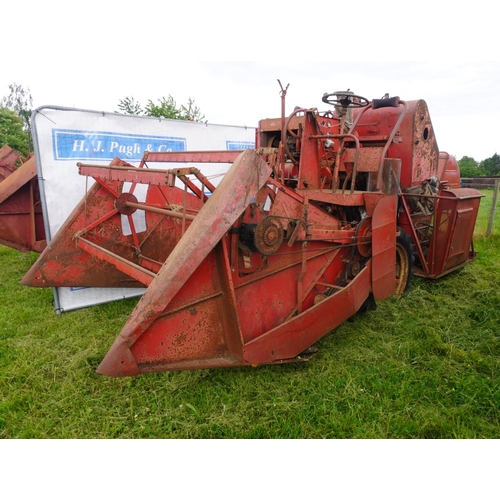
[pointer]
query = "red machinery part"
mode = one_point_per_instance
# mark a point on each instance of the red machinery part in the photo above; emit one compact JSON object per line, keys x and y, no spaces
{"x":92,"y":250}
{"x":201,"y":311}
{"x":21,"y":219}
{"x":453,"y":228}
{"x":316,"y":222}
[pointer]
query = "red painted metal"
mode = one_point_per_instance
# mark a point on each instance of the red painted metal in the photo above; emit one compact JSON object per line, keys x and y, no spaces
{"x":300,"y":233}
{"x":92,"y":250}
{"x":191,"y":157}
{"x":9,"y":160}
{"x":21,"y":219}
{"x":384,"y":248}
{"x":453,"y":227}
{"x":246,"y":176}
{"x":449,"y":171}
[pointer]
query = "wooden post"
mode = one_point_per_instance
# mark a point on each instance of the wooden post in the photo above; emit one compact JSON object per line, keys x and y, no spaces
{"x":493,"y":207}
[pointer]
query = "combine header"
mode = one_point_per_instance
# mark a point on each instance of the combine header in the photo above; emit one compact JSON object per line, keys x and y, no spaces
{"x":21,"y":220}
{"x":331,"y":212}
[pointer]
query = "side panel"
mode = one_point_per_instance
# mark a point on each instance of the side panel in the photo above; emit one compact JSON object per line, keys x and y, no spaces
{"x":455,"y":218}
{"x":21,"y":221}
{"x":293,"y":337}
{"x":384,"y":248}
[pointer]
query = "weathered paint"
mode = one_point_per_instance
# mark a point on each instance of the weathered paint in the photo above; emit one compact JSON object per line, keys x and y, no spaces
{"x":280,"y":253}
{"x":21,"y":220}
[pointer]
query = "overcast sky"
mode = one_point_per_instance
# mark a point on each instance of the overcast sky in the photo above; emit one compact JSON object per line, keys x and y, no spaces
{"x":90,"y":55}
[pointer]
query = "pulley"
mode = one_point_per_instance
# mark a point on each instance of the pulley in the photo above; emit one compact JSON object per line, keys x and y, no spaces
{"x":268,"y":235}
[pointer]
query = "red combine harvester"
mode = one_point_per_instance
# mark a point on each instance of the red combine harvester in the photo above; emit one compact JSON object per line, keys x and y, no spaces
{"x":331,"y":212}
{"x":21,"y":220}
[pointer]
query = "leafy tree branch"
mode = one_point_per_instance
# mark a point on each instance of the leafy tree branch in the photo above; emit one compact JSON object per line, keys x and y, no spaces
{"x":166,"y":107}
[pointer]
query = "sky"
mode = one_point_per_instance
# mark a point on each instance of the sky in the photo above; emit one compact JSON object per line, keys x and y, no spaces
{"x":92,"y":55}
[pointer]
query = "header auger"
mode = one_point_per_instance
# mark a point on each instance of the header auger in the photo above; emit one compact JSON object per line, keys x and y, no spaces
{"x":331,"y":212}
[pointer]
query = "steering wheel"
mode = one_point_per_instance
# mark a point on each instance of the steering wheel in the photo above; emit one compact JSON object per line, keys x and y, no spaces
{"x":345,"y":100}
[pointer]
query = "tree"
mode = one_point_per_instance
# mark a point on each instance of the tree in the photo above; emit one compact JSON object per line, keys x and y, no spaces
{"x":130,"y":107}
{"x":20,"y":101}
{"x":191,"y":112}
{"x":166,"y":107}
{"x":491,"y":166}
{"x":12,"y":131}
{"x":469,"y":167}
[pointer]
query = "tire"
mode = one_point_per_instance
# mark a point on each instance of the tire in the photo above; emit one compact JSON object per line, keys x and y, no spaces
{"x":404,"y":262}
{"x":368,"y":305}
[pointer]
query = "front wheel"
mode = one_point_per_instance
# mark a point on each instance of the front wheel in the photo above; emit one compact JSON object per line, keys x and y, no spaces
{"x":404,"y":262}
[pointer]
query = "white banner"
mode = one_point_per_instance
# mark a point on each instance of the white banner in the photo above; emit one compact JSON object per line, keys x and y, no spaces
{"x":65,"y":136}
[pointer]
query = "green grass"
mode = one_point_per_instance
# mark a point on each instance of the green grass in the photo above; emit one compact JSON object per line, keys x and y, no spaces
{"x":424,"y":366}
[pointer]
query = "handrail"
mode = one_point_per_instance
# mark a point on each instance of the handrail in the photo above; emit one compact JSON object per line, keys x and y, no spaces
{"x":389,"y":140}
{"x":356,"y":156}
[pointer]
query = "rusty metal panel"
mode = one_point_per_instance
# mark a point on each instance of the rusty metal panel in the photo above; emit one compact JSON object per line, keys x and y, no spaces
{"x":21,"y":220}
{"x":369,"y":159}
{"x":384,"y":248}
{"x":292,"y":337}
{"x":243,"y":180}
{"x":9,"y":159}
{"x":17,"y":179}
{"x":449,"y":171}
{"x":414,"y":143}
{"x":455,"y":218}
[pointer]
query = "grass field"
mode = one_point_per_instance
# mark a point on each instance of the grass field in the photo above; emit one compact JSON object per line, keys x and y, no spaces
{"x":424,"y":366}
